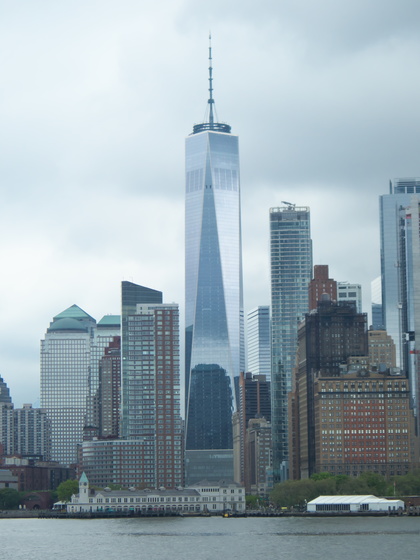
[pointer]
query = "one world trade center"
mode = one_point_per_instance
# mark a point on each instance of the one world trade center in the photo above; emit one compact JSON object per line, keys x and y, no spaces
{"x":213,"y":296}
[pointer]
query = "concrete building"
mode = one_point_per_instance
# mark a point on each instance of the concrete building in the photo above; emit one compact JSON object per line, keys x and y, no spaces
{"x":258,"y":457}
{"x":32,"y":432}
{"x":259,"y":341}
{"x":214,"y":317}
{"x":291,"y":271}
{"x":8,"y":480}
{"x":254,"y":402}
{"x":381,"y":350}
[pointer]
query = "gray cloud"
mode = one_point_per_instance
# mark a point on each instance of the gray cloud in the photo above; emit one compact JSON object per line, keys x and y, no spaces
{"x":97,"y":97}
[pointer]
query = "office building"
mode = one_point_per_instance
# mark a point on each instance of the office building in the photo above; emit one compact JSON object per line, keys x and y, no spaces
{"x":258,"y":446}
{"x":258,"y":341}
{"x":109,"y":390}
{"x":150,"y":451}
{"x":254,"y":402}
{"x":321,"y":284}
{"x":327,"y":337}
{"x":106,"y":335}
{"x":291,"y":271}
{"x":381,"y":350}
{"x":214,"y":335}
{"x":394,"y":290}
{"x":350,"y":293}
{"x":65,"y":372}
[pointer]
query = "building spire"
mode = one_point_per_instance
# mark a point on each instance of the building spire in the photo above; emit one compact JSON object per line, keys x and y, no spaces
{"x":211,"y":124}
{"x":211,"y":100}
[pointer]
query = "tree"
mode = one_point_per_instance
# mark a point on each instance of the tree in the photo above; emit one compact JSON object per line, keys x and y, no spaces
{"x":9,"y":498}
{"x":66,"y":490}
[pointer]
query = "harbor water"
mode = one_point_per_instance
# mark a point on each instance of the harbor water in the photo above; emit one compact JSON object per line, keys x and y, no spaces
{"x":213,"y":538}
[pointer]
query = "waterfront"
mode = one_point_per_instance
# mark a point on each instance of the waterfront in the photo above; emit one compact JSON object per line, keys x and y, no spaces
{"x":209,"y":538}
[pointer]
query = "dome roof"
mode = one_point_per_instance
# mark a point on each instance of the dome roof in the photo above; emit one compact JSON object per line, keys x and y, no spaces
{"x":67,"y":324}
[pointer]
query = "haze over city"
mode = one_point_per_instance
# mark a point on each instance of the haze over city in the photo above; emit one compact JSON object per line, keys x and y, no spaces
{"x":97,"y":99}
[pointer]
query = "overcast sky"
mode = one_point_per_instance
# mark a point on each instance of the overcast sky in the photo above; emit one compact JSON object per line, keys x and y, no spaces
{"x":97,"y":97}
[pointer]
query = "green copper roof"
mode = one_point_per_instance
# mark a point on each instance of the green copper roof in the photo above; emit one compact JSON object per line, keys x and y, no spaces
{"x":67,"y":324}
{"x":73,"y":312}
{"x":83,"y":478}
{"x":110,"y":321}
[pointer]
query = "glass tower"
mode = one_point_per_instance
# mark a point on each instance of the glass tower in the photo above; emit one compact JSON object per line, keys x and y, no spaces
{"x":65,"y":371}
{"x":392,"y":223}
{"x":213,"y":296}
{"x":258,"y":339}
{"x":291,"y":272}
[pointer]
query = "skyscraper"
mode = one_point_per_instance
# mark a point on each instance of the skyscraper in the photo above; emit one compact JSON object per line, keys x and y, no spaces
{"x":65,"y":369}
{"x":392,"y":254}
{"x":131,"y":296}
{"x":150,"y":453}
{"x":213,"y":295}
{"x":291,"y":271}
{"x":258,"y":341}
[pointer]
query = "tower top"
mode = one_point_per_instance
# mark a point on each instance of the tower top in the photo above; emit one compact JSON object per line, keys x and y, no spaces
{"x":211,"y":125}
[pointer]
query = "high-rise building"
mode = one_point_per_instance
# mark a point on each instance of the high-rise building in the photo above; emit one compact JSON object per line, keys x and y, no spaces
{"x":291,"y":271}
{"x":65,"y":372}
{"x":350,"y":293}
{"x":151,"y":452}
{"x":131,"y":295}
{"x":109,"y":390}
{"x":6,"y":420}
{"x":32,"y":432}
{"x":213,"y":296}
{"x":254,"y":402}
{"x":321,"y":284}
{"x":328,"y":337}
{"x":392,"y":260}
{"x":107,"y":333}
{"x":258,"y":341}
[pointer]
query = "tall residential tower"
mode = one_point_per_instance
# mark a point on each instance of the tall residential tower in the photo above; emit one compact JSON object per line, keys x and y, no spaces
{"x":213,"y":296}
{"x":291,"y":271}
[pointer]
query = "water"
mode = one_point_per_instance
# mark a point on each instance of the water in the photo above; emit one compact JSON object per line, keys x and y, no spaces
{"x":212,"y":538}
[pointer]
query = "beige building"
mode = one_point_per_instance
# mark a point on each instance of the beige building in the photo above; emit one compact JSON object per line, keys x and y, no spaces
{"x":381,"y":350}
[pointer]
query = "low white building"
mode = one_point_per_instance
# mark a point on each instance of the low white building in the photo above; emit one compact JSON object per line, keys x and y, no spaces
{"x":343,"y":504}
{"x":203,"y":497}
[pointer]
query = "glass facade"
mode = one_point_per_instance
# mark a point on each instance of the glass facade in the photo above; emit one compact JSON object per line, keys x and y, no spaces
{"x":291,"y":272}
{"x":65,"y":369}
{"x":213,"y":290}
{"x":258,"y":338}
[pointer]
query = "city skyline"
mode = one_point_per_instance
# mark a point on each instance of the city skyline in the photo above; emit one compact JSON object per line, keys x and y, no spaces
{"x":93,"y":133}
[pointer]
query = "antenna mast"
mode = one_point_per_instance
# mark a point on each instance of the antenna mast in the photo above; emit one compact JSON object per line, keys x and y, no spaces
{"x":211,"y":100}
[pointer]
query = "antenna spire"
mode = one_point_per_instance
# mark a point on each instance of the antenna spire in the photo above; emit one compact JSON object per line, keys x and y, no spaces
{"x":211,"y":124}
{"x":211,"y":100}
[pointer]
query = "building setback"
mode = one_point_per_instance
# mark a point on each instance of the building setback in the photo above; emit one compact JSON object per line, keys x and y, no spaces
{"x":214,"y":337}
